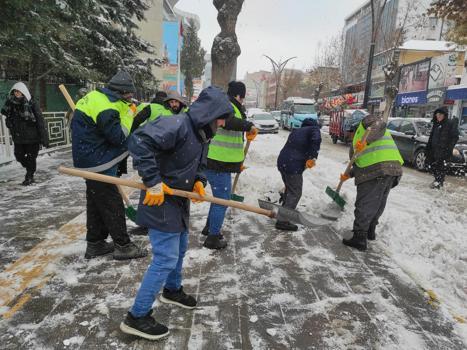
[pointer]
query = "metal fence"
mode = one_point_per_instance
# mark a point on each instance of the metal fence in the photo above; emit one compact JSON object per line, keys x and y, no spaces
{"x":57,"y":129}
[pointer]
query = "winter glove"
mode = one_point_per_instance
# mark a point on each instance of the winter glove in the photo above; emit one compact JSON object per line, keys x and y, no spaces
{"x":310,"y":163}
{"x":345,"y":177}
{"x":198,"y":188}
{"x":242,"y":167}
{"x":360,"y":146}
{"x":251,"y":135}
{"x":155,"y":194}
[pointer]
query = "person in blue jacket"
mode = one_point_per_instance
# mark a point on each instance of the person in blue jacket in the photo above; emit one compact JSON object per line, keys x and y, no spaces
{"x":170,"y":153}
{"x":100,"y":126}
{"x":299,"y":153}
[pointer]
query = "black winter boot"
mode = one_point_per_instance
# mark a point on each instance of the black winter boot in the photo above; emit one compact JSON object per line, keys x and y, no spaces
{"x":215,"y":242}
{"x":95,"y":249}
{"x":205,"y":231}
{"x":28,"y":179}
{"x":144,"y":327}
{"x":286,"y":226}
{"x":129,"y":251}
{"x":357,"y":241}
{"x":179,"y":298}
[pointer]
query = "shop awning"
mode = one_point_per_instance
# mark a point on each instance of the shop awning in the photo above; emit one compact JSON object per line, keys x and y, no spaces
{"x":456,"y":92}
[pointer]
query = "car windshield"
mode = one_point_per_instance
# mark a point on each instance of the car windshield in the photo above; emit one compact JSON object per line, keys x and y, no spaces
{"x":263,"y":116}
{"x":423,"y":128}
{"x":276,"y":114}
{"x":304,"y":109}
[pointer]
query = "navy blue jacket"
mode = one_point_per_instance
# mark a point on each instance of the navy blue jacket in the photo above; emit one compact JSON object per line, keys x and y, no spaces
{"x":98,"y":146}
{"x":302,"y":144}
{"x":170,"y":150}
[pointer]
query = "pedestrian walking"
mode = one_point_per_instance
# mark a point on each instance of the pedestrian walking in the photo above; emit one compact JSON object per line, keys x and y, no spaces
{"x":100,"y":126}
{"x":443,"y":137}
{"x":226,"y":156}
{"x":170,"y":153}
{"x":299,"y":153}
{"x":377,"y":169}
{"x":26,"y":124}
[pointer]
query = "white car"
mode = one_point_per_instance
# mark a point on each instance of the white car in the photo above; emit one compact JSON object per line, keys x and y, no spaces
{"x":265,"y":123}
{"x":251,"y":111}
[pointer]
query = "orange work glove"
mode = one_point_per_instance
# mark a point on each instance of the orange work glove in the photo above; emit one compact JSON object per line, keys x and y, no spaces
{"x":198,"y":188}
{"x":242,"y":167}
{"x":345,"y":177}
{"x":360,"y":146}
{"x":155,"y":194}
{"x":310,"y":163}
{"x":251,"y":135}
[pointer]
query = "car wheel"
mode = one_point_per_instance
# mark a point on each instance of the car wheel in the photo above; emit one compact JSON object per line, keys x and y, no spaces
{"x":334,"y":139}
{"x":419,"y":160}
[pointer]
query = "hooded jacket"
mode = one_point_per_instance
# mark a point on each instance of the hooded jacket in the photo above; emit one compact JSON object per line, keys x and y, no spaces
{"x":24,"y":118}
{"x":172,"y":151}
{"x":101,"y":144}
{"x":387,"y":168}
{"x":302,"y":144}
{"x":443,"y":138}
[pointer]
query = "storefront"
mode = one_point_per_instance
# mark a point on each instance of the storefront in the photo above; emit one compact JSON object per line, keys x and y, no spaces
{"x":458,"y":94}
{"x":412,"y":105}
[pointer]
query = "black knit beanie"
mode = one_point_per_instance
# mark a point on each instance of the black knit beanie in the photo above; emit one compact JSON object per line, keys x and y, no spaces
{"x":236,"y":88}
{"x":122,"y":83}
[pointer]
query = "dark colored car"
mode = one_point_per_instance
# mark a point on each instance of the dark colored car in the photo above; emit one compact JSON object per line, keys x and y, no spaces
{"x":411,"y":137}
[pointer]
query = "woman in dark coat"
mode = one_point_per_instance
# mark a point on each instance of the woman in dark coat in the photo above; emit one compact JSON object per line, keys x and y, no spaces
{"x":443,"y":138}
{"x":26,"y":124}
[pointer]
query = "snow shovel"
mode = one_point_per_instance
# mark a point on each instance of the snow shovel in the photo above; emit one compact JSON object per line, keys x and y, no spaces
{"x":233,"y":196}
{"x":129,"y":210}
{"x":274,"y":212}
{"x":336,"y":197}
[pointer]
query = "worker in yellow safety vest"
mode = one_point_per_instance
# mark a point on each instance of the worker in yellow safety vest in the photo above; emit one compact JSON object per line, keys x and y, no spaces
{"x":377,"y":169}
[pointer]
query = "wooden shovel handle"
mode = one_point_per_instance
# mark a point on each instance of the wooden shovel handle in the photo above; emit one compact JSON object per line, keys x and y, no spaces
{"x":352,"y":160}
{"x":139,"y":185}
{"x":245,"y":152}
{"x":67,"y":96}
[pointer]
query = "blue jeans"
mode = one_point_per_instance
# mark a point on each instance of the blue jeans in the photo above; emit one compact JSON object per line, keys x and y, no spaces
{"x":221,"y":186}
{"x":168,"y":251}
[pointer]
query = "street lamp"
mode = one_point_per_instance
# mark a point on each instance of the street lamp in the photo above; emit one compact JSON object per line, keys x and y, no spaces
{"x":278,"y":68}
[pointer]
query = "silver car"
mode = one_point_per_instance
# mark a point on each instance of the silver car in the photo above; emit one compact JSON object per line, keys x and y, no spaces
{"x":265,"y":123}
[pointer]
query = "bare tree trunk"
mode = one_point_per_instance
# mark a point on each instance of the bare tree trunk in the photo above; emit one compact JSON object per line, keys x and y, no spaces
{"x":225,"y":48}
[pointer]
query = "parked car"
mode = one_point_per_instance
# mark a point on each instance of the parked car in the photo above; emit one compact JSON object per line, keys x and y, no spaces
{"x":411,"y":137}
{"x":265,"y":123}
{"x":343,"y":124}
{"x":251,"y":111}
{"x":276,"y":115}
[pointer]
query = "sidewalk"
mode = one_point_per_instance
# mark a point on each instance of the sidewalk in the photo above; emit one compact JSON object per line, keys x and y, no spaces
{"x":267,"y":290}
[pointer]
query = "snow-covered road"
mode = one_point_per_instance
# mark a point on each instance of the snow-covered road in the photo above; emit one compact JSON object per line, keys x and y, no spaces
{"x":268,"y":289}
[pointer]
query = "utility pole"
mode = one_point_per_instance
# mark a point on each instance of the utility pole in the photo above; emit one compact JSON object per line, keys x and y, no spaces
{"x":278,"y":68}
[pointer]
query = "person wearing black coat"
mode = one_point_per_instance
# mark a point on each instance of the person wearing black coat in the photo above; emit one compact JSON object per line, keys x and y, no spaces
{"x":443,"y":137}
{"x":26,"y":124}
{"x":299,"y":153}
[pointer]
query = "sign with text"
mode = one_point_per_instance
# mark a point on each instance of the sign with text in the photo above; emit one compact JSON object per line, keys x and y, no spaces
{"x":411,"y":98}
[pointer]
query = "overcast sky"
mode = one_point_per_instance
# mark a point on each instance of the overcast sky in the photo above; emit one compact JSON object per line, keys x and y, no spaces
{"x":277,"y":28}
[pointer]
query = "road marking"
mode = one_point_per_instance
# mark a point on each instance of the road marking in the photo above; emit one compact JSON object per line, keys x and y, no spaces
{"x":31,"y":272}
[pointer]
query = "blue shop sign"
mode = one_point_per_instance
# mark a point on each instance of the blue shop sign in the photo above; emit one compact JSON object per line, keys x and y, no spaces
{"x":411,"y":98}
{"x":457,"y":94}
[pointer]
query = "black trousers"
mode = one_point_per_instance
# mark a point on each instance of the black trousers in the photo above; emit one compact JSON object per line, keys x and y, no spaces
{"x":370,"y":203}
{"x":26,"y":154}
{"x":438,"y":168}
{"x":293,"y":189}
{"x":105,"y":213}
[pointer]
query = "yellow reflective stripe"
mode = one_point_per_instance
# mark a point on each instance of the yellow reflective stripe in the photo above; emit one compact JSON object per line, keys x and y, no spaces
{"x":226,"y":144}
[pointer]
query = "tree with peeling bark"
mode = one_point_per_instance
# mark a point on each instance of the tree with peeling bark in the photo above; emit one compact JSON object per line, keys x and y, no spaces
{"x":225,"y":48}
